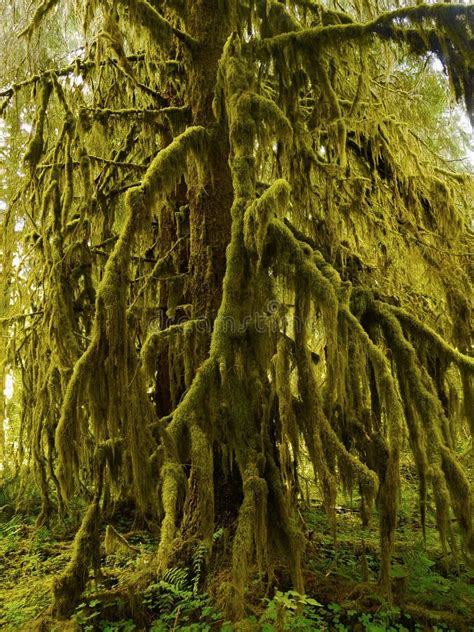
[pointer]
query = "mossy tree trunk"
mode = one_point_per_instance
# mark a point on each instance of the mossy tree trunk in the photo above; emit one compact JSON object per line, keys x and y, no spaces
{"x":211,"y":199}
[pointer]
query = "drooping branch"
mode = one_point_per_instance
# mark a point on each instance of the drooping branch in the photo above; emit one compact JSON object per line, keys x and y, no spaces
{"x":79,"y":66}
{"x":159,"y":27}
{"x":448,"y":478}
{"x":110,"y":334}
{"x":147,"y":114}
{"x":260,"y":402}
{"x":424,"y":331}
{"x":384,"y":25}
{"x":41,"y":12}
{"x":451,"y":40}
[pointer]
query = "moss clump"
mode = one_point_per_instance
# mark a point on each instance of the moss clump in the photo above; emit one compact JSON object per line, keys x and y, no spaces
{"x":273,"y":203}
{"x":174,"y":482}
{"x":160,"y":29}
{"x":35,"y":148}
{"x":117,"y":397}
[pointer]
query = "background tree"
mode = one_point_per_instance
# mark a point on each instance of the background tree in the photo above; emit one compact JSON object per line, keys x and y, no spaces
{"x":236,"y":243}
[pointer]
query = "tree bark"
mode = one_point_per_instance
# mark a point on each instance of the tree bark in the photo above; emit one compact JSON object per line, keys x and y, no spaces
{"x":210,"y":219}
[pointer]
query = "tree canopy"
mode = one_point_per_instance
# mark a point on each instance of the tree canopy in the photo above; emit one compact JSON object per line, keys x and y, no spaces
{"x":237,"y":240}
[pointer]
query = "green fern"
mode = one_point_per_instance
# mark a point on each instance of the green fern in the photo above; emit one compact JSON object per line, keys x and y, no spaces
{"x":198,"y":564}
{"x":178,"y":577}
{"x":217,"y":535}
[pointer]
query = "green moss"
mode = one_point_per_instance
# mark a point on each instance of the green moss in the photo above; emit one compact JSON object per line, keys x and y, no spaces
{"x":273,"y":203}
{"x":173,"y":480}
{"x":296,"y":114}
{"x":35,"y":148}
{"x":160,"y":29}
{"x":110,"y":346}
{"x":250,"y":535}
{"x":443,"y":348}
{"x":69,"y":586}
{"x":420,"y":393}
{"x":45,"y":7}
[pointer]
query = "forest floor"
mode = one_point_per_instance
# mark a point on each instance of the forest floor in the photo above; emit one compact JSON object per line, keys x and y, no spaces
{"x":430,"y":592}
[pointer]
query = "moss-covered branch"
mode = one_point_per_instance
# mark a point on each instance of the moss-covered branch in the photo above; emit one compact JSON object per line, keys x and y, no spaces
{"x":35,"y":147}
{"x":148,"y":114}
{"x":99,"y":159}
{"x":69,"y":587}
{"x":110,"y":334}
{"x":384,"y":25}
{"x":273,"y":203}
{"x":451,"y":40}
{"x":160,"y":29}
{"x":156,"y":339}
{"x":78,"y":66}
{"x":42,"y":10}
{"x":424,"y":331}
{"x":251,"y":534}
{"x":448,"y":478}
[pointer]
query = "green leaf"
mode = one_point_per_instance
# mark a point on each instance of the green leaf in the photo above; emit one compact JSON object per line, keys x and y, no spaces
{"x":312,"y":602}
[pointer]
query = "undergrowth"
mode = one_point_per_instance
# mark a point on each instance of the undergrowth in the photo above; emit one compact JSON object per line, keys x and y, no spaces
{"x":430,"y":591}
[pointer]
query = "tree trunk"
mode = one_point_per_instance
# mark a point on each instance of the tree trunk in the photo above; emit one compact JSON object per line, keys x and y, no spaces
{"x":210,"y":219}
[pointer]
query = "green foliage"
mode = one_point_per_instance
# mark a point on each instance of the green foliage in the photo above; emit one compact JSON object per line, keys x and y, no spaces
{"x":11,"y":533}
{"x":41,"y":541}
{"x":439,"y":121}
{"x":92,"y":616}
{"x":198,"y":562}
{"x":291,"y":611}
{"x":176,"y":600}
{"x":120,"y":626}
{"x":86,"y":613}
{"x":17,"y":612}
{"x":426,"y":583}
{"x":28,"y":556}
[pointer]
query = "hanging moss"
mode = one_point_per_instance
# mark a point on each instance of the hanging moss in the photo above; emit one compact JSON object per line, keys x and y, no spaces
{"x":110,"y":336}
{"x":42,"y":10}
{"x":445,"y":472}
{"x":35,"y":148}
{"x":468,"y":389}
{"x":69,"y":586}
{"x":171,"y":493}
{"x":146,"y":15}
{"x":250,"y":535}
{"x":442,"y":346}
{"x":386,"y":27}
{"x":273,"y":202}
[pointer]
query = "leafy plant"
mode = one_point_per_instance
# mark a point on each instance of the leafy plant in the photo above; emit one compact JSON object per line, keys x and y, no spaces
{"x":86,"y":613}
{"x":198,"y":564}
{"x":425,"y":583}
{"x":291,"y":611}
{"x":175,"y":599}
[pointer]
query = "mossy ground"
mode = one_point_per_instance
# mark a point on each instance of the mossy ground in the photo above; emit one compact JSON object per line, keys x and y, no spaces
{"x":430,"y":593}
